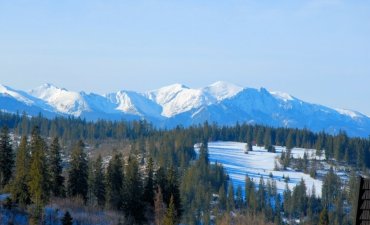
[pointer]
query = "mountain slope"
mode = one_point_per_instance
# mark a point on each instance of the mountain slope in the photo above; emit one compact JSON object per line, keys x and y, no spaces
{"x":15,"y":101}
{"x":221,"y":102}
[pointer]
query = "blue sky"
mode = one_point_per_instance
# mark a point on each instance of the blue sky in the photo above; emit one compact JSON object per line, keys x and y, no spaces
{"x":318,"y":50}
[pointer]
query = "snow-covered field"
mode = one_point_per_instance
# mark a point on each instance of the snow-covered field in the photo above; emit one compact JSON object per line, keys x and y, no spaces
{"x":259,"y":163}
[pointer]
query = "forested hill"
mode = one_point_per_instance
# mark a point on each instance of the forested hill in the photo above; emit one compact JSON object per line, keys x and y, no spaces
{"x":49,"y":176}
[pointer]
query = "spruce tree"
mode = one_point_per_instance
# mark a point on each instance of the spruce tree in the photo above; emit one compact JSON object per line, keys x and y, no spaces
{"x":39,"y":183}
{"x":19,"y":187}
{"x":78,"y":172}
{"x":324,"y":217}
{"x":250,"y":192}
{"x":261,"y":195}
{"x":159,"y":207}
{"x":133,"y":191}
{"x":6,"y":157}
{"x":172,"y":189}
{"x":67,"y":219}
{"x":330,"y":188}
{"x":56,"y":169}
{"x":239,"y":198}
{"x":99,"y":178}
{"x":222,"y":198}
{"x":170,"y":218}
{"x":230,"y":204}
{"x":114,"y":182}
{"x":149,"y":186}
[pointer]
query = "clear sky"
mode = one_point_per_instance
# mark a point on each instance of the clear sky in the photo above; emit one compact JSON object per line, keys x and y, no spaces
{"x":318,"y":51}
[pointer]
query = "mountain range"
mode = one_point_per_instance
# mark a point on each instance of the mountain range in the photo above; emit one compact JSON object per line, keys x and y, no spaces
{"x":222,"y":103}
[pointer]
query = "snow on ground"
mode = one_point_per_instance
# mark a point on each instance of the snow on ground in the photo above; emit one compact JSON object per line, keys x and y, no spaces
{"x":259,"y":163}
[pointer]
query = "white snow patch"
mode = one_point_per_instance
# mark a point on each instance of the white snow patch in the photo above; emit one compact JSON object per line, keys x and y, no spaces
{"x":349,"y":113}
{"x":281,"y":95}
{"x":259,"y":163}
{"x":222,"y":90}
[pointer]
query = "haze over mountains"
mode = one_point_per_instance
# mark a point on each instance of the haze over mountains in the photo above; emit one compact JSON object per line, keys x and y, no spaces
{"x":221,"y":102}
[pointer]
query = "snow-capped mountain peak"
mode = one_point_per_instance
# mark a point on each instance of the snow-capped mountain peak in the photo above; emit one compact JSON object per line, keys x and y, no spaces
{"x":61,"y":99}
{"x":221,"y":90}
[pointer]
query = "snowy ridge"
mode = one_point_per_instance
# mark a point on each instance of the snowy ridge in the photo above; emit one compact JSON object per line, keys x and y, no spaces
{"x":350,"y":113}
{"x":221,"y":102}
{"x":6,"y":91}
{"x":62,"y":100}
{"x":178,"y":98}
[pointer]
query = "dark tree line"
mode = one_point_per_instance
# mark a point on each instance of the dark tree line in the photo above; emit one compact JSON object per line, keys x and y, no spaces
{"x":354,"y":151}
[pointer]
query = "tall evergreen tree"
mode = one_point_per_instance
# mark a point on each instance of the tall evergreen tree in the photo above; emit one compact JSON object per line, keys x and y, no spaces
{"x":159,"y":207}
{"x":6,"y":157}
{"x":222,"y":197}
{"x":133,"y":191}
{"x":250,"y":192}
{"x":330,"y":188}
{"x":78,"y":172}
{"x":149,"y":186}
{"x":20,"y":190}
{"x":114,"y":182}
{"x":261,"y":195}
{"x":170,"y":218}
{"x":230,"y":204}
{"x":39,"y":180}
{"x":324,"y":217}
{"x":67,"y":219}
{"x":172,"y":189}
{"x":56,"y":169}
{"x":239,"y":198}
{"x":99,"y":178}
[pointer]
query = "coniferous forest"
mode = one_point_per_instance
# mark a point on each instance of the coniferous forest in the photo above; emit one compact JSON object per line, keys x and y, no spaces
{"x":51,"y":172}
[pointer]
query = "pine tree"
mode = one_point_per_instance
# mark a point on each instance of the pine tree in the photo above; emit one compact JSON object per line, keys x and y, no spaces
{"x":172,"y":189}
{"x":287,"y":205}
{"x":67,"y":219}
{"x":99,"y":178}
{"x":149,"y":186}
{"x":353,"y":193}
{"x":39,"y":183}
{"x":114,"y":182}
{"x":20,"y":190}
{"x":91,"y":198}
{"x":170,"y":218}
{"x":133,"y":191}
{"x":56,"y":169}
{"x":261,"y":195}
{"x":159,"y":208}
{"x":230,"y":204}
{"x":324,"y":218}
{"x":330,"y":188}
{"x":78,"y":172}
{"x":299,"y":199}
{"x":6,"y":157}
{"x":250,"y":192}
{"x":239,"y":197}
{"x":222,"y":197}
